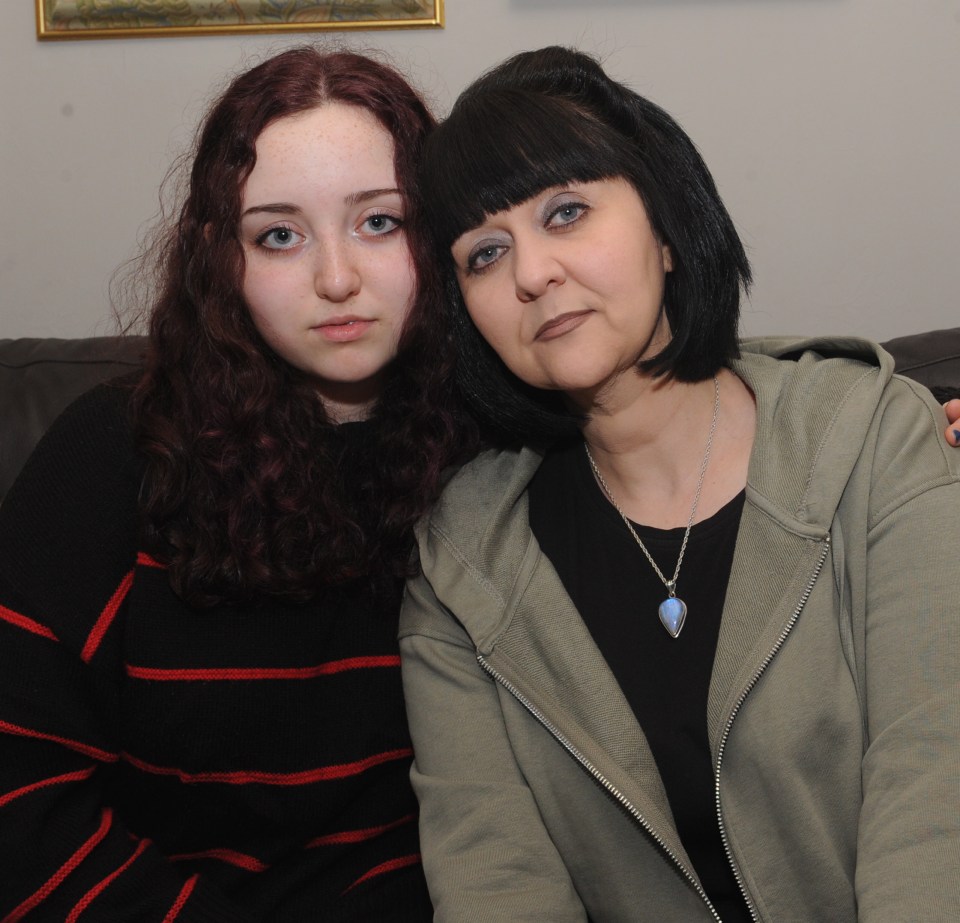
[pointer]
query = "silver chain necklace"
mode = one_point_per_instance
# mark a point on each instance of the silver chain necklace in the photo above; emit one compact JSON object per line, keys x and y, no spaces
{"x":673,"y":610}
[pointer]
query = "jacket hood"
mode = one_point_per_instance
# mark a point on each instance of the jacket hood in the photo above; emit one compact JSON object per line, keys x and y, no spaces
{"x":815,"y":401}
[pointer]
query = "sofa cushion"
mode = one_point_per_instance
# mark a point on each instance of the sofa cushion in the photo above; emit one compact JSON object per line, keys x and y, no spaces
{"x":39,"y":377}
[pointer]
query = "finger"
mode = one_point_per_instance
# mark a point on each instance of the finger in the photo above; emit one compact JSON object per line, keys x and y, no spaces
{"x":952,"y":409}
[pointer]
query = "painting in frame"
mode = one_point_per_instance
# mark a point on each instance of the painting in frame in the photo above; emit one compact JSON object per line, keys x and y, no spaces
{"x":69,"y":19}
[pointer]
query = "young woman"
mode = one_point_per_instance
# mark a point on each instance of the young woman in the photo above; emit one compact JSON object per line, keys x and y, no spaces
{"x":201,"y":716}
{"x":693,"y":655}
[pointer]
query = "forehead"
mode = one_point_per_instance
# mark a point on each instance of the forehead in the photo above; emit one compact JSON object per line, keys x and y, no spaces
{"x":334,"y":145}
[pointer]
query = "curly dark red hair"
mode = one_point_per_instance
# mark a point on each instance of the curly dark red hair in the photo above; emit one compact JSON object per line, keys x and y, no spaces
{"x":249,"y":489}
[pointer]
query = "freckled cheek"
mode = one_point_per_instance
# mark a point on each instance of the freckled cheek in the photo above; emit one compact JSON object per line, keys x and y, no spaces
{"x":252,"y":294}
{"x":273,"y":290}
{"x":256,"y":283}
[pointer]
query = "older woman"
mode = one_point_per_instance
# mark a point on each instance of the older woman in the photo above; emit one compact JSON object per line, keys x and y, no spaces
{"x":692,"y":655}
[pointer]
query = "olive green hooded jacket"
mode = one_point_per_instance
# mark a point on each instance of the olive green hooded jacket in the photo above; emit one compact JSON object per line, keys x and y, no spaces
{"x":834,"y":707}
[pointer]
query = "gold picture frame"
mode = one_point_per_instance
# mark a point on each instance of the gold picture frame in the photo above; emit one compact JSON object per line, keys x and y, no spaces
{"x":72,"y":19}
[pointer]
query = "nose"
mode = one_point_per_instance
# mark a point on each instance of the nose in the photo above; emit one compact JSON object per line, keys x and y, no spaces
{"x":536,"y":268}
{"x":336,"y":275}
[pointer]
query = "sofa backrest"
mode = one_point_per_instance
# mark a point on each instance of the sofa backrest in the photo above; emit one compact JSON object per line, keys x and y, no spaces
{"x":39,"y":377}
{"x":932,"y":358}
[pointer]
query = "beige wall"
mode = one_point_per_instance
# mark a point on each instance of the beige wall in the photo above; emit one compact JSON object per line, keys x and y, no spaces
{"x":832,"y":128}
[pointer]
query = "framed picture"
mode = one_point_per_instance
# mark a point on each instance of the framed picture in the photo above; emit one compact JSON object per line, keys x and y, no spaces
{"x":69,"y":19}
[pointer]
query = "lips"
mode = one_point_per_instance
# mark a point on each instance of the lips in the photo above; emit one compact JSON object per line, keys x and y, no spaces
{"x":344,"y":329}
{"x":561,"y":325}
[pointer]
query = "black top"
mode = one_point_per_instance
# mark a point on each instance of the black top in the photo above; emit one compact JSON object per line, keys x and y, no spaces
{"x":159,"y":762}
{"x":665,"y":680}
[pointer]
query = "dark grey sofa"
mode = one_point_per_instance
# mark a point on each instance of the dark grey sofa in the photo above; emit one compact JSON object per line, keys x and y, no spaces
{"x":39,"y":377}
{"x":931,"y":358}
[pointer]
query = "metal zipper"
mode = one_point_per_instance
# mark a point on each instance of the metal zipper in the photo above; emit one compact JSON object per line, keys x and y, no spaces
{"x":726,"y":731}
{"x":597,"y":776}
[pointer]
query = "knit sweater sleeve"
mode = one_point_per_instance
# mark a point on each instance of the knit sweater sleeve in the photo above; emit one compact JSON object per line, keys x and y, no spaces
{"x":68,"y":546}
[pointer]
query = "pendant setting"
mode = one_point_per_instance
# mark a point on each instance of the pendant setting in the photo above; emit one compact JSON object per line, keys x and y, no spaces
{"x":673,"y":613}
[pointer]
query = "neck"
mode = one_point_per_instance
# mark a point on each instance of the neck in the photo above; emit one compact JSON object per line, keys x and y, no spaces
{"x":650,"y":448}
{"x":349,"y":402}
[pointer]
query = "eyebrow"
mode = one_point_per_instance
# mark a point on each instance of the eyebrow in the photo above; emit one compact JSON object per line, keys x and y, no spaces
{"x":356,"y":198}
{"x":284,"y":208}
{"x":277,"y":208}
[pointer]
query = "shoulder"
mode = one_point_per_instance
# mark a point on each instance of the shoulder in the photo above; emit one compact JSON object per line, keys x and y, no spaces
{"x":832,"y":409}
{"x":101,"y":413}
{"x":482,"y":493}
{"x":90,"y":440}
{"x":72,"y":512}
{"x":905,"y":454}
{"x":474,"y":542}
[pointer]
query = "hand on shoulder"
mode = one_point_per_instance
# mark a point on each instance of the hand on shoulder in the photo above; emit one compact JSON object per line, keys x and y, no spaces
{"x":952,"y":409}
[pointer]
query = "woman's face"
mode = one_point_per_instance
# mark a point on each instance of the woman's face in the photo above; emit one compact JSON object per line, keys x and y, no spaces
{"x":328,"y":279}
{"x":567,"y":287}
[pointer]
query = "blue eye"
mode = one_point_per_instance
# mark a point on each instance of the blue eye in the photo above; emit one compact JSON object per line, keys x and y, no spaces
{"x":566,"y":213}
{"x":381,"y":223}
{"x":483,"y":256}
{"x":280,"y":238}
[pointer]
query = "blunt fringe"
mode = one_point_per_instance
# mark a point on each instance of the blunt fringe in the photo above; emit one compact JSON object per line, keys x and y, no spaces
{"x":550,"y":117}
{"x":249,"y":488}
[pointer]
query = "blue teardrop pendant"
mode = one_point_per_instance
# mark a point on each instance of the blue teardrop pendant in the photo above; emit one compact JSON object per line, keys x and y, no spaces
{"x":673,"y":613}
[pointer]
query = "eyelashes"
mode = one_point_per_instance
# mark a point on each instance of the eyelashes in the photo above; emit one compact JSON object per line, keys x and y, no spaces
{"x":382,"y":223}
{"x":566,"y":213}
{"x":484,"y":256}
{"x":279,"y":238}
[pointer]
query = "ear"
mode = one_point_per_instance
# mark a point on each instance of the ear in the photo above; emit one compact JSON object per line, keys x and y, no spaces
{"x":667,"y":257}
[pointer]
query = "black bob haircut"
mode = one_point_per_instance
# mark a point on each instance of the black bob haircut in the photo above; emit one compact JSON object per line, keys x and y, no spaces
{"x":550,"y":117}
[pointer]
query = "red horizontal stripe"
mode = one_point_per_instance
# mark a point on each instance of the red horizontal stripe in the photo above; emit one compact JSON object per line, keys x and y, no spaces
{"x":78,"y":776}
{"x":358,"y":836}
{"x":144,"y":560}
{"x":185,"y":892}
{"x":86,"y":750}
{"x":253,"y":777}
{"x":391,"y":866}
{"x":249,"y":673}
{"x":230,"y":856}
{"x":38,"y":897}
{"x":97,"y":889}
{"x":105,"y":619}
{"x":28,"y":624}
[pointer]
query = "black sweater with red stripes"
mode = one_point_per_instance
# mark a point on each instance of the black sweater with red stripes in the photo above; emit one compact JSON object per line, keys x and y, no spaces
{"x":160,"y":763}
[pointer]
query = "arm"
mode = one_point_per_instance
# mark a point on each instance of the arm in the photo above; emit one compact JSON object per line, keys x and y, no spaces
{"x":486,"y":853}
{"x":909,"y":836}
{"x":67,"y":548}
